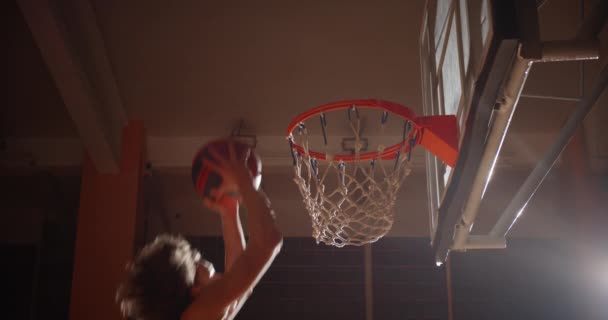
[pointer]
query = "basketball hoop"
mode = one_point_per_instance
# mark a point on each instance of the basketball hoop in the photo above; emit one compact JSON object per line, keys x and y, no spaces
{"x":351,"y":197}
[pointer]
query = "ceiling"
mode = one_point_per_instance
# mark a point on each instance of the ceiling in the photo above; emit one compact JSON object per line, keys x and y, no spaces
{"x":191,"y":70}
{"x":198,"y":67}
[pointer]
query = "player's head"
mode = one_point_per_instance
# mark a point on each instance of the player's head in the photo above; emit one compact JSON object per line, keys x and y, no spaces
{"x":162,"y":279}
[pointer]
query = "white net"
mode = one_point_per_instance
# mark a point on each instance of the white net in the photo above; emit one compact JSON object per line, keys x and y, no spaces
{"x":350,"y":203}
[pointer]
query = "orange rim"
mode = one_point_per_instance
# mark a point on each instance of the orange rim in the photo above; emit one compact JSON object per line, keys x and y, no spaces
{"x":387,"y":154}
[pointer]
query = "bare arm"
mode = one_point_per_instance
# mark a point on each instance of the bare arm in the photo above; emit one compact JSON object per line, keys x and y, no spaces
{"x":234,"y":241}
{"x":232,"y":231}
{"x":265,"y":241}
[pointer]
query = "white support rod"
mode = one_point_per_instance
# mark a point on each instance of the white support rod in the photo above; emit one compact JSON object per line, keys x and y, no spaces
{"x":369,"y":284}
{"x":570,"y":50}
{"x":502,"y":119}
{"x":485,"y":242}
{"x":543,"y":96}
{"x":536,"y":177}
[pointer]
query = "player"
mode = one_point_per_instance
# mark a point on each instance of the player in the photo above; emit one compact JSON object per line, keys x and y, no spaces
{"x":169,"y":280}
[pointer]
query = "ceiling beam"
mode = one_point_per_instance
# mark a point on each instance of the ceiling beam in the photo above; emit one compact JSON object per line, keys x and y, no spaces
{"x":521,"y":150}
{"x":72,"y":47}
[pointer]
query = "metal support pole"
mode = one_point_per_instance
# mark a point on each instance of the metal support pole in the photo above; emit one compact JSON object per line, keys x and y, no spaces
{"x":581,"y":79}
{"x":534,"y":180}
{"x":485,"y":242}
{"x":542,"y":96}
{"x":502,"y":119}
{"x":450,"y":291}
{"x":369,"y":283}
{"x":570,"y":50}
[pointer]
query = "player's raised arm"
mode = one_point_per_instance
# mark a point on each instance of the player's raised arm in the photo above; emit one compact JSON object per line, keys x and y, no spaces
{"x":264,"y":241}
{"x":232,"y":230}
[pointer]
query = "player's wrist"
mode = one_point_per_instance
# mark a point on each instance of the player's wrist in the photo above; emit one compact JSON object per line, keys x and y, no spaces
{"x":229,"y":216}
{"x":246,"y":190}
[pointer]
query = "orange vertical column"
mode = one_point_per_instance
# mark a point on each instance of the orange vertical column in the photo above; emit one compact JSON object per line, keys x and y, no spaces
{"x":107,"y":217}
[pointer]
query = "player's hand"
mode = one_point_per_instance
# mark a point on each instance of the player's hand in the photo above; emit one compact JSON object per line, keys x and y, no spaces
{"x":233,"y":170}
{"x":224,"y":205}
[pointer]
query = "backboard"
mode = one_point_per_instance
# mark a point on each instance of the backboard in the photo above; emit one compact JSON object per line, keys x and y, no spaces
{"x":466,"y":51}
{"x":475,"y":59}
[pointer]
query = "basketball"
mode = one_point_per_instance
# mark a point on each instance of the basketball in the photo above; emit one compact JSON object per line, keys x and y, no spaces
{"x":205,"y":179}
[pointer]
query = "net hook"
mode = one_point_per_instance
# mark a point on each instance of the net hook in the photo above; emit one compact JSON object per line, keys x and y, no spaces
{"x":315,"y":168}
{"x":397,"y":154}
{"x":293,"y":156}
{"x":412,"y":144}
{"x":301,"y":128}
{"x":384,"y":117}
{"x":342,"y":171}
{"x":353,"y":108}
{"x":323,"y":125}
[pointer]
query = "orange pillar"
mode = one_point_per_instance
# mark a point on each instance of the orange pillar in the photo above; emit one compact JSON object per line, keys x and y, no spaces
{"x":106,"y":229}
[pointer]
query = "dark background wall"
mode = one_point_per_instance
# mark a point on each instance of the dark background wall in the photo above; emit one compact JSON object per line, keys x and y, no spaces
{"x":310,"y":281}
{"x":531,"y":279}
{"x":36,"y":243}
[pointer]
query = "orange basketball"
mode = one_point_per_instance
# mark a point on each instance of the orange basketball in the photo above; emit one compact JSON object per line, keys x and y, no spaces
{"x":205,"y":179}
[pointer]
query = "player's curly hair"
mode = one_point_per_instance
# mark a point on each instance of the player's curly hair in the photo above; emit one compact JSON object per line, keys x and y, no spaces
{"x":159,"y":280}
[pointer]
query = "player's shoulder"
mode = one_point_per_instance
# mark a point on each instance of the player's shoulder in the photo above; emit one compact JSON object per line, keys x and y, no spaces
{"x":201,"y":311}
{"x":204,"y":306}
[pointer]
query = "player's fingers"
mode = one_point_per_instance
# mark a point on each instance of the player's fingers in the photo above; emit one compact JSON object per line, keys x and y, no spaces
{"x":229,"y":201}
{"x":212,"y":205}
{"x":214,"y":192}
{"x":222,"y":190}
{"x":238,"y":198}
{"x":234,"y":195}
{"x":208,"y":203}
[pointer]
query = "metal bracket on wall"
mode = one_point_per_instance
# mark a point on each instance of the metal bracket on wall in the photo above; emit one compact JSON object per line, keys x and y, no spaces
{"x":249,"y":139}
